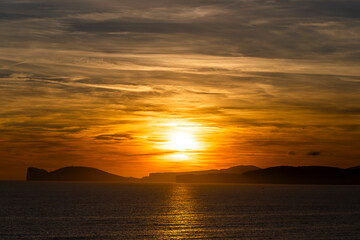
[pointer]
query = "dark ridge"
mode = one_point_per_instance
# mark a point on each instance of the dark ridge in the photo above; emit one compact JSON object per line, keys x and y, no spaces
{"x":357,"y":168}
{"x":75,"y":174}
{"x":302,"y":175}
{"x":281,"y":175}
{"x":171,"y":176}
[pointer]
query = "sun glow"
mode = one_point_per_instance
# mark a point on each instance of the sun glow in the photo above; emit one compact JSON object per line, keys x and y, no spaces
{"x":180,"y":156}
{"x":182,"y":141}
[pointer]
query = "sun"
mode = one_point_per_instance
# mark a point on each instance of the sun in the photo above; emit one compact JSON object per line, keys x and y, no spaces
{"x":182,"y":141}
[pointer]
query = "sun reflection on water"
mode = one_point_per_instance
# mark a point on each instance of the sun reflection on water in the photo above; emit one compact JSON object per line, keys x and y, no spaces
{"x":183,"y":218}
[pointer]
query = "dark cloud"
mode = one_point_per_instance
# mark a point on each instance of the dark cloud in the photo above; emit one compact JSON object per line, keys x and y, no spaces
{"x":112,"y":26}
{"x":313,"y":153}
{"x":338,"y":8}
{"x":117,"y":137}
{"x":280,"y":29}
{"x":291,"y":153}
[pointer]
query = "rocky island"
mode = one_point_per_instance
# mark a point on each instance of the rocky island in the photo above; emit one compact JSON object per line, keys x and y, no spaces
{"x":75,"y":174}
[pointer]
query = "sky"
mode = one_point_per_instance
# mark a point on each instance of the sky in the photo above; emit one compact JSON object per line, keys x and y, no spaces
{"x":133,"y":87}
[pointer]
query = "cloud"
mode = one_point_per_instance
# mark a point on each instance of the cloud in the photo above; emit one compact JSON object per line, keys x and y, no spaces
{"x":314,"y":153}
{"x":116,"y":137}
{"x":291,"y":153}
{"x":278,"y":29}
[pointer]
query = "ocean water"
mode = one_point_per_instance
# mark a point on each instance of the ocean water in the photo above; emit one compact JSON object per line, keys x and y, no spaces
{"x":56,"y":210}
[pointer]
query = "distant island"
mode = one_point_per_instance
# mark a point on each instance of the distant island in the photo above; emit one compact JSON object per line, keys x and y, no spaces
{"x":281,"y":175}
{"x":171,"y":176}
{"x":75,"y":174}
{"x":237,"y":174}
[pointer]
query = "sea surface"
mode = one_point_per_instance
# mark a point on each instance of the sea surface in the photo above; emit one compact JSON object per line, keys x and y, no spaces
{"x":58,"y":210}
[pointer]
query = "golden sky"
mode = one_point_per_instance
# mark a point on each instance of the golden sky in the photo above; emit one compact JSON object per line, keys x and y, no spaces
{"x":133,"y":87}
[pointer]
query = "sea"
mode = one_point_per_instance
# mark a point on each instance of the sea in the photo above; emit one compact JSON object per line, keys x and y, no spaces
{"x":101,"y":211}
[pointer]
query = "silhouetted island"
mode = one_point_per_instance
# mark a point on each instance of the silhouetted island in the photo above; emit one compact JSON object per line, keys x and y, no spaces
{"x":237,"y":174}
{"x":171,"y":176}
{"x":281,"y":175}
{"x":75,"y":174}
